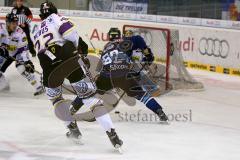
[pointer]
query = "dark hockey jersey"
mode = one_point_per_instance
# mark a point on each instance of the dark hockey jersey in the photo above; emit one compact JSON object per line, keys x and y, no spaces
{"x":115,"y":60}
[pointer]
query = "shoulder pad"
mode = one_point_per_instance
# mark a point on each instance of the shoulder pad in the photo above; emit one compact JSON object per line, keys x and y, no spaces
{"x":53,"y":18}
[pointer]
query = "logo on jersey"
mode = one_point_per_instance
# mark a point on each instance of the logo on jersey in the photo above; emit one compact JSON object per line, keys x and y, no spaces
{"x":82,"y":87}
{"x":116,"y":67}
{"x":24,"y":39}
{"x":11,"y":48}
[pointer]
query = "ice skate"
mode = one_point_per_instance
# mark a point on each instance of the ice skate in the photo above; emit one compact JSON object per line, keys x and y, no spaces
{"x":163,"y":117}
{"x":40,"y":90}
{"x":74,"y":133}
{"x":115,"y":140}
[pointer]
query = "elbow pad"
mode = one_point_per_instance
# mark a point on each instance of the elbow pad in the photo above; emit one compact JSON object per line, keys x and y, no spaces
{"x":82,"y":47}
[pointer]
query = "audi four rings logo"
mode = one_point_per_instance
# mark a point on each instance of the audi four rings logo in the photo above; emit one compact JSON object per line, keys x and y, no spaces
{"x":214,"y":47}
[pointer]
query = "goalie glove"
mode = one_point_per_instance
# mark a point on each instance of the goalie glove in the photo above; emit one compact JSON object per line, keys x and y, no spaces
{"x":148,"y":59}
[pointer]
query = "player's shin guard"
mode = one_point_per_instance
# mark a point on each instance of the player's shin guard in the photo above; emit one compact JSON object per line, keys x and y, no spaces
{"x":154,"y":106}
{"x":31,"y":79}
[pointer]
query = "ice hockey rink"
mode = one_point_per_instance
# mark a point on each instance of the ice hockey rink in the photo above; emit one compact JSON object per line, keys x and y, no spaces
{"x":210,"y":130}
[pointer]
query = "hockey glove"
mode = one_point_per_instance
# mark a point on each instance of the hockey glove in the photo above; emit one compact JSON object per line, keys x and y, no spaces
{"x":86,"y":62}
{"x":29,"y":66}
{"x":82,"y":47}
{"x":4,"y":52}
{"x":148,"y":59}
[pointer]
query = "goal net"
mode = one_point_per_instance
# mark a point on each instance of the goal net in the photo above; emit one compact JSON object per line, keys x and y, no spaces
{"x":168,"y":71}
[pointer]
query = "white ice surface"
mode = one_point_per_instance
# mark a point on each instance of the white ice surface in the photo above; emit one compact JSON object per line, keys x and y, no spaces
{"x":29,"y":130}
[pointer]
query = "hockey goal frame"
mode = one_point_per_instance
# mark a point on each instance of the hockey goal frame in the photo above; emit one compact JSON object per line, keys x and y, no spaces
{"x":168,"y":40}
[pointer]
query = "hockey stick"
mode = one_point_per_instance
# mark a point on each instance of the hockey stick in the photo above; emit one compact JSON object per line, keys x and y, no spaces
{"x":86,"y":35}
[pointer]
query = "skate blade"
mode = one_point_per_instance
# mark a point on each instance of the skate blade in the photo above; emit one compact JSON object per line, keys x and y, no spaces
{"x":164,"y":122}
{"x":119,"y":149}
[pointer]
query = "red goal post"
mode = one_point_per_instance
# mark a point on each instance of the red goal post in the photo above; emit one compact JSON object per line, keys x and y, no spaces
{"x":168,"y":44}
{"x":169,"y":63}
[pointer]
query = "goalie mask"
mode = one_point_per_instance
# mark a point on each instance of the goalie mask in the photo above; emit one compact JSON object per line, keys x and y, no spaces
{"x":128,"y":33}
{"x":46,"y":9}
{"x":114,"y":34}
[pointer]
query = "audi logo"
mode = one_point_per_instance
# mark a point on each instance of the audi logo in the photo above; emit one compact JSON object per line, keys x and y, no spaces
{"x":214,"y":47}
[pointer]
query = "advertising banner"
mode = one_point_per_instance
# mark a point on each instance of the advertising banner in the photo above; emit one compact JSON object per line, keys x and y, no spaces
{"x":125,"y":6}
{"x":213,"y":49}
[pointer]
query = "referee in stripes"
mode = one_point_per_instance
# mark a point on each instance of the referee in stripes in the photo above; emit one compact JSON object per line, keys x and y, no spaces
{"x":24,"y":19}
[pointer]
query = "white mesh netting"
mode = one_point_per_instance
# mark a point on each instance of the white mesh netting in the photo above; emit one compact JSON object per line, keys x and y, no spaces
{"x":169,"y":70}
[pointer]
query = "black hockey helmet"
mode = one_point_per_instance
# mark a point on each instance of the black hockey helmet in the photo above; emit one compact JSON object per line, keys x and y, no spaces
{"x":46,"y":9}
{"x":114,"y":34}
{"x":11,"y":17}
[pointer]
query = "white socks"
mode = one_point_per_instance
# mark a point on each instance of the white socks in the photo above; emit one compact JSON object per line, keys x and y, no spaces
{"x":106,"y":122}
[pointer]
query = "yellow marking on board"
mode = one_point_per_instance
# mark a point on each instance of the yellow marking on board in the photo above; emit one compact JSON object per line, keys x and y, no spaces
{"x":195,"y":65}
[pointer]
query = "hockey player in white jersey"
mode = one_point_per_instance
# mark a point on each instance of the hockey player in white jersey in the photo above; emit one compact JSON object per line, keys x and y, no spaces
{"x":55,"y":41}
{"x":14,"y":48}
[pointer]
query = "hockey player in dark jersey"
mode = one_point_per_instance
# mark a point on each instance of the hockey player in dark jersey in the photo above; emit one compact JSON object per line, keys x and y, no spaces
{"x":115,"y":69}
